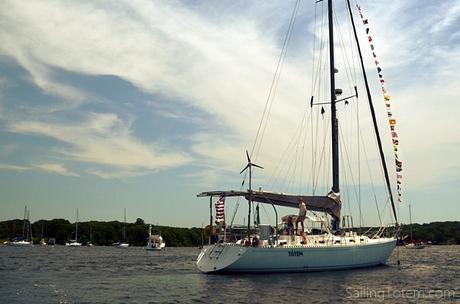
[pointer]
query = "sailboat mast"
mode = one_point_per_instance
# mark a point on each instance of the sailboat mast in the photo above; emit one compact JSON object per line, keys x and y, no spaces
{"x":374,"y":119}
{"x":250,"y":201}
{"x":76,"y":228}
{"x":149,"y":242}
{"x":124,"y":226}
{"x":410,"y":219}
{"x":30,"y":227}
{"x":24,"y":223}
{"x":334,"y":121}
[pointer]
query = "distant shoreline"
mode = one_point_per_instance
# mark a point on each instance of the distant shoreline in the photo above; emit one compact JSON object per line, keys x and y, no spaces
{"x":105,"y":233}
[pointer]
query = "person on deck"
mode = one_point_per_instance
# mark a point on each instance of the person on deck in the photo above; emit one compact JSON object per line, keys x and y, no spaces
{"x":255,"y":241}
{"x":214,"y":236}
{"x":304,"y":238}
{"x":301,"y":217}
{"x":290,"y":226}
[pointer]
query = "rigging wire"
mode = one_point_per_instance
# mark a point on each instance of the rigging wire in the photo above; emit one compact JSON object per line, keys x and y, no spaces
{"x":359,"y":162}
{"x":349,"y":167}
{"x":364,"y":150}
{"x":354,"y":51}
{"x":269,"y":102}
{"x":278,"y":168}
{"x":370,"y":176}
{"x":344,"y":54}
{"x":358,"y":130}
{"x":297,"y":143}
{"x":313,"y":65}
{"x":325,"y":146}
{"x":300,"y":137}
{"x":321,"y":66}
{"x":272,"y":89}
{"x":347,"y":197}
{"x":351,"y":77}
{"x":301,"y":181}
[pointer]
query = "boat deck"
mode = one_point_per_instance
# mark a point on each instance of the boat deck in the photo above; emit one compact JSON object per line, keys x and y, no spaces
{"x":325,"y":240}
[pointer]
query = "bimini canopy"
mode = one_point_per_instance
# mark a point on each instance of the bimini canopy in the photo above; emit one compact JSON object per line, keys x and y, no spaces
{"x":330,"y":204}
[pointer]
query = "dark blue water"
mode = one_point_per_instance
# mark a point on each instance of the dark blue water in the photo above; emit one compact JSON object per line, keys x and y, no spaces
{"x":110,"y":275}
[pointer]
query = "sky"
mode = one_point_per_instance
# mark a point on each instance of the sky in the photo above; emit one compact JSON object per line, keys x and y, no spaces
{"x":143,"y":104}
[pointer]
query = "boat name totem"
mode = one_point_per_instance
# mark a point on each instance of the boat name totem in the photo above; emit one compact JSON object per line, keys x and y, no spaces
{"x":295,"y":253}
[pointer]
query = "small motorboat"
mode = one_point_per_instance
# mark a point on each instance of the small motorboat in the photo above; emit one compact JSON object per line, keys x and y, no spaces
{"x":155,"y":241}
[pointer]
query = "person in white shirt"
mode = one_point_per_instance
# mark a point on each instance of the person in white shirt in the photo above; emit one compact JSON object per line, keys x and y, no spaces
{"x":301,"y":217}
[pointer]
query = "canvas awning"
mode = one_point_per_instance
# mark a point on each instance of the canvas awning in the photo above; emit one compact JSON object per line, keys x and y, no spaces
{"x":330,"y":204}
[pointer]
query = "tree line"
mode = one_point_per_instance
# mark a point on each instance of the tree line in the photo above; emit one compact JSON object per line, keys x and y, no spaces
{"x":107,"y":233}
{"x":440,"y":233}
{"x":101,"y":233}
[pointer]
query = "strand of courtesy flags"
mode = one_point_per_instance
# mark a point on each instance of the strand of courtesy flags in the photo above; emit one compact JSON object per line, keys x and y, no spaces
{"x":386,"y":97}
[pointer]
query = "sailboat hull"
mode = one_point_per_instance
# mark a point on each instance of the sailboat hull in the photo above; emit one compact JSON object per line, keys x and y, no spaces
{"x":151,"y":247}
{"x":228,"y":258}
{"x":20,"y":243}
{"x":122,"y":245}
{"x":73,"y":244}
{"x":414,"y":246}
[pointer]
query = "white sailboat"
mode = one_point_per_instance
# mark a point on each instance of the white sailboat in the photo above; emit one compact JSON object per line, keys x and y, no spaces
{"x":263,"y":249}
{"x":74,"y":243}
{"x":155,"y":242}
{"x":123,"y":244}
{"x":20,"y":243}
{"x":413,"y":244}
{"x":42,"y":240}
{"x":26,"y":239}
{"x":90,"y":242}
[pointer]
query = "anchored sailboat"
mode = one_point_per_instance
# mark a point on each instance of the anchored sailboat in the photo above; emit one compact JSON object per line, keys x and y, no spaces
{"x":412,"y":244}
{"x":265,"y":249}
{"x":123,"y":244}
{"x":42,"y":240}
{"x":74,"y":242}
{"x":90,"y":242}
{"x":26,"y":238}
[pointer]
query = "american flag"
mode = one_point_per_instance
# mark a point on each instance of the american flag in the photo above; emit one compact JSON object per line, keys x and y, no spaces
{"x":220,"y":209}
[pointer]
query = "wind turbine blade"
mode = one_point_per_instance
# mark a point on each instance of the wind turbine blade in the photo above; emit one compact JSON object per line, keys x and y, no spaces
{"x":257,"y":166}
{"x":247,"y":166}
{"x":247,"y":154}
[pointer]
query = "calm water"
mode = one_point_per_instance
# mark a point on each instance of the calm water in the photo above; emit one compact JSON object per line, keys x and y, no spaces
{"x":110,"y":275}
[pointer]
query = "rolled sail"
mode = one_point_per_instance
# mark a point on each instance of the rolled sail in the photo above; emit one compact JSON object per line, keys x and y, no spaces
{"x":330,"y":204}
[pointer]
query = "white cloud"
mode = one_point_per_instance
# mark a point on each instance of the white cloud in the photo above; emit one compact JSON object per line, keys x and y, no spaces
{"x":220,"y":64}
{"x":223,"y":69}
{"x":103,"y":139}
{"x":42,"y":76}
{"x":116,"y":174}
{"x":451,"y":15}
{"x":55,"y":169}
{"x":14,"y":167}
